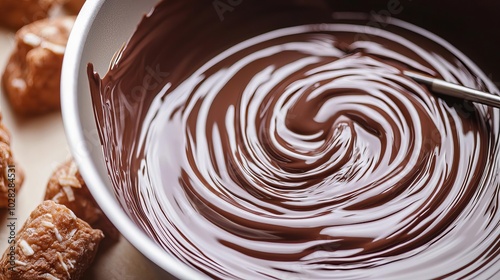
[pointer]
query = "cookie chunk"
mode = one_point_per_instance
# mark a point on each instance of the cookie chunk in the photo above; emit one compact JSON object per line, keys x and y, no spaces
{"x":11,"y":175}
{"x":66,"y":186}
{"x":33,"y":74}
{"x":17,"y":13}
{"x":52,"y":244}
{"x":74,"y":6}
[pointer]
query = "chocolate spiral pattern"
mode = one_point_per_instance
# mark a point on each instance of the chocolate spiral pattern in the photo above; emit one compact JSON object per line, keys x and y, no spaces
{"x":305,"y":153}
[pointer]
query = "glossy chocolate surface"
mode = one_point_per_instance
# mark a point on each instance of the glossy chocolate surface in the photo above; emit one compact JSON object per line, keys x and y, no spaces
{"x":283,"y":142}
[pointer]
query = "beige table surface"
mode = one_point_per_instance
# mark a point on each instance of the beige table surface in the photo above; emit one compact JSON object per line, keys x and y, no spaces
{"x":39,"y":146}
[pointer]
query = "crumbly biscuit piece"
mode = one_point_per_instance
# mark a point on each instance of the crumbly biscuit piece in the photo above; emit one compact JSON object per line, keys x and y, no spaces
{"x":66,"y":186}
{"x":17,"y":13}
{"x":52,"y":244}
{"x":33,"y":74}
{"x":74,"y":6}
{"x":11,"y":175}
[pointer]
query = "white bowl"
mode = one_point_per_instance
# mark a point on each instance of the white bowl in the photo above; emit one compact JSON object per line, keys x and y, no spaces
{"x":100,"y":30}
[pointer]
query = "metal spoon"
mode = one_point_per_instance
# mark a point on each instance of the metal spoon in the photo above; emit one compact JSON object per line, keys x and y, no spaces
{"x":455,"y":90}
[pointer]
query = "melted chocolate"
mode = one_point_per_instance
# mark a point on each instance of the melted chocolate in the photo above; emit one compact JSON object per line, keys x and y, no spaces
{"x":283,"y":142}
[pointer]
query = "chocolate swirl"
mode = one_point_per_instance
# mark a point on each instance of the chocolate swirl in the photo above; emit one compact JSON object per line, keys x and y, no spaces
{"x":305,"y":152}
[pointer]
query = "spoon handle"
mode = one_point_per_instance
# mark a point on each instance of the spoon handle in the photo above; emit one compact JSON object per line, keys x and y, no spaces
{"x":455,"y":90}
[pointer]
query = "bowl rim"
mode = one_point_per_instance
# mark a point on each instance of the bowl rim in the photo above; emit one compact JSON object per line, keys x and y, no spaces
{"x":72,"y":68}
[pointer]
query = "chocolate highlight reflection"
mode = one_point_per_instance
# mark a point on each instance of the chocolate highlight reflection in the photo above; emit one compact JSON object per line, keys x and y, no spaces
{"x":290,"y":144}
